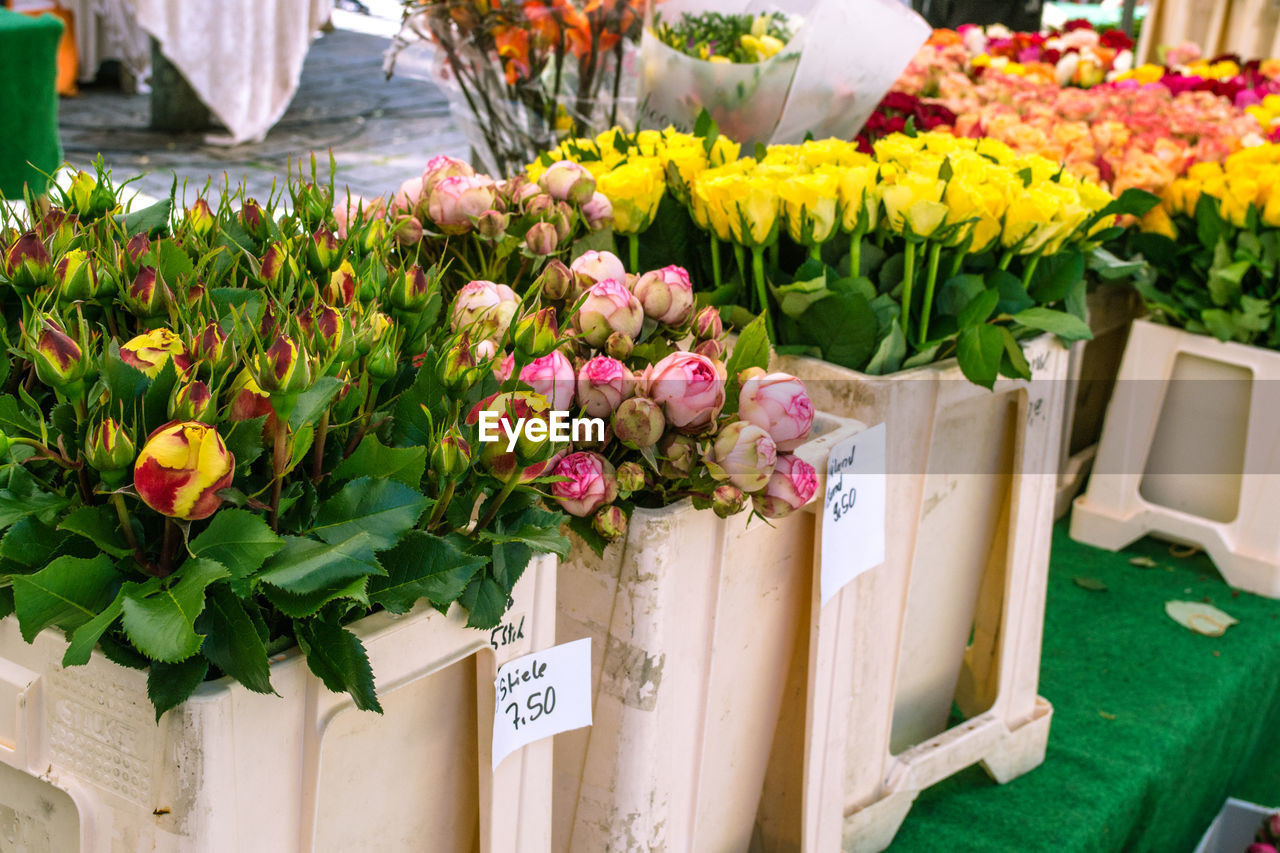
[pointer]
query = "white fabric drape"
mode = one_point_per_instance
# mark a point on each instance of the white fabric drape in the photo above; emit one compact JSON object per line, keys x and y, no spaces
{"x":243,"y":58}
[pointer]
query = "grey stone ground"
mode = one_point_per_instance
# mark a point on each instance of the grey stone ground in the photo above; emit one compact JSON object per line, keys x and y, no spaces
{"x":380,"y":131}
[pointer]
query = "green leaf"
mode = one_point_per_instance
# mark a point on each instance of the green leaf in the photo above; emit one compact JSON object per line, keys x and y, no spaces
{"x":29,"y":546}
{"x":979,"y":350}
{"x":537,"y":528}
{"x":384,"y":509}
{"x":1066,"y":326}
{"x":68,"y":593}
{"x":510,"y":559}
{"x":1013,"y":296}
{"x":411,"y":426}
{"x":87,"y":635}
{"x":339,"y":659}
{"x":1225,"y":282}
{"x":979,"y":309}
{"x":15,"y":507}
{"x":889,"y":355}
{"x":1134,"y":202}
{"x":307,"y":565}
{"x":313,"y":402}
{"x":171,"y":684}
{"x":239,"y":540}
{"x":1018,"y":367}
{"x":155,"y":403}
{"x":844,"y":326}
{"x":16,"y":420}
{"x":487,"y":602}
{"x":1091,"y":584}
{"x":244,"y":441}
{"x":161,"y":624}
{"x":373,"y":458}
{"x":232,"y":643}
{"x":1210,"y":227}
{"x":174,"y":266}
{"x":124,"y":381}
{"x":1219,"y":323}
{"x":99,"y":525}
{"x":751,"y":349}
{"x":1055,"y":276}
{"x":959,"y":291}
{"x":423,"y":566}
{"x":151,"y":220}
{"x":298,"y":605}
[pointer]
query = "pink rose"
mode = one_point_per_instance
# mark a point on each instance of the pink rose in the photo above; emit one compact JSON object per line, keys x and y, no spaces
{"x":552,"y":377}
{"x":743,"y":454}
{"x":357,"y":208}
{"x":598,"y":211}
{"x":779,"y":404}
{"x":443,"y":166}
{"x":690,"y":389}
{"x":568,"y":181}
{"x":666,"y":295}
{"x":485,"y":309}
{"x":409,"y":196}
{"x":790,"y":487}
{"x":456,"y":203}
{"x":599,"y":266}
{"x":603,"y":383}
{"x":609,"y":307}
{"x":591,"y":483}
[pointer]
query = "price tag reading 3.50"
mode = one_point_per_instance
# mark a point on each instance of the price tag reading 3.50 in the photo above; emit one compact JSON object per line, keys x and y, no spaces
{"x":853,"y":511}
{"x":540,"y":695}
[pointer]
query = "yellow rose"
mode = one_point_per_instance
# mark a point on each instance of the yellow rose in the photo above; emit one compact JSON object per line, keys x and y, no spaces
{"x":181,"y":468}
{"x":982,"y":201}
{"x":1029,"y":222}
{"x":1159,"y":222}
{"x":752,"y":205}
{"x":810,"y":205}
{"x":635,"y":190}
{"x":831,"y":152}
{"x":723,"y":151}
{"x":150,"y":352}
{"x":709,"y":204}
{"x":914,"y":202}
{"x":859,"y":197}
{"x":1240,"y":193}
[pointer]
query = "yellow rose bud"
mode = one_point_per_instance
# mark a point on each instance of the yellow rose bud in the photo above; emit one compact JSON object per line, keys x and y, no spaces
{"x":634,"y":189}
{"x":181,"y":468}
{"x":810,"y":203}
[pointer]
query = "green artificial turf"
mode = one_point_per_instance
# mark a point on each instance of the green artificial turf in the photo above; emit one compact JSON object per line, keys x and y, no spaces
{"x":28,"y":101}
{"x":1153,"y":726}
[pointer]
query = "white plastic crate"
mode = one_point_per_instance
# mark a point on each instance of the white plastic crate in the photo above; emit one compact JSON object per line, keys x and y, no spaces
{"x":86,"y":768}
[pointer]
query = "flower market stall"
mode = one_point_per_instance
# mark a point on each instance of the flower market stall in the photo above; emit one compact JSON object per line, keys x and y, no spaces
{"x":682,"y":474}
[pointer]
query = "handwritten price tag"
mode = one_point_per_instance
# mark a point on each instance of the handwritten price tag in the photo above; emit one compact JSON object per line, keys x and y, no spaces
{"x":540,"y":695}
{"x":853,"y":517}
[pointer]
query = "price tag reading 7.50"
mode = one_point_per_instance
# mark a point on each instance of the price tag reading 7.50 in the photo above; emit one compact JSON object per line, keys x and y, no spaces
{"x":540,"y":695}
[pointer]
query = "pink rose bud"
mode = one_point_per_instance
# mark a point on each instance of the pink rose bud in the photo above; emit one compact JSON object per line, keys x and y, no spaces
{"x":552,"y":377}
{"x":1272,"y":827}
{"x":325,"y":329}
{"x":779,"y":404}
{"x":713,"y":350}
{"x":610,"y":522}
{"x":562,"y":219}
{"x":537,"y":334}
{"x":357,"y":210}
{"x":443,"y":166}
{"x":603,"y":383}
{"x":110,"y":451}
{"x":542,"y":240}
{"x":631,"y":478}
{"x":247,"y":400}
{"x":599,"y":266}
{"x":598,"y":212}
{"x":458,"y":367}
{"x":492,"y":225}
{"x":677,"y":455}
{"x":1260,"y":848}
{"x":555,"y":282}
{"x":619,"y":345}
{"x":743,"y":454}
{"x":486,"y":351}
{"x":728,"y":500}
{"x":707,"y":325}
{"x":456,"y":203}
{"x":690,"y":389}
{"x":278,"y":266}
{"x":407,"y":231}
{"x":451,"y":456}
{"x":520,"y":190}
{"x":75,"y":277}
{"x":609,"y":307}
{"x":485,"y":309}
{"x":666,"y":295}
{"x":408,"y":197}
{"x":539,"y":205}
{"x":502,"y":370}
{"x":638,"y":423}
{"x":591,"y":483}
{"x":211,"y":350}
{"x":568,"y":181}
{"x":790,"y":487}
{"x":409,"y":289}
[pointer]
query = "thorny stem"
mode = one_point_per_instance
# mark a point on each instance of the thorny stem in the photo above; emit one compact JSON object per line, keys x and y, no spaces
{"x":635,"y":253}
{"x":715,"y":260}
{"x":172,"y":538}
{"x":908,"y":281}
{"x":499,"y":500}
{"x":317,"y":456}
{"x":935,"y":253}
{"x":762,"y":293}
{"x":280,"y":460}
{"x":442,"y":504}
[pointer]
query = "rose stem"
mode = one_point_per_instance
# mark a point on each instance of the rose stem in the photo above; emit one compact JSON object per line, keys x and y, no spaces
{"x":908,"y":281}
{"x":935,"y":253}
{"x":757,"y":268}
{"x":317,"y":457}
